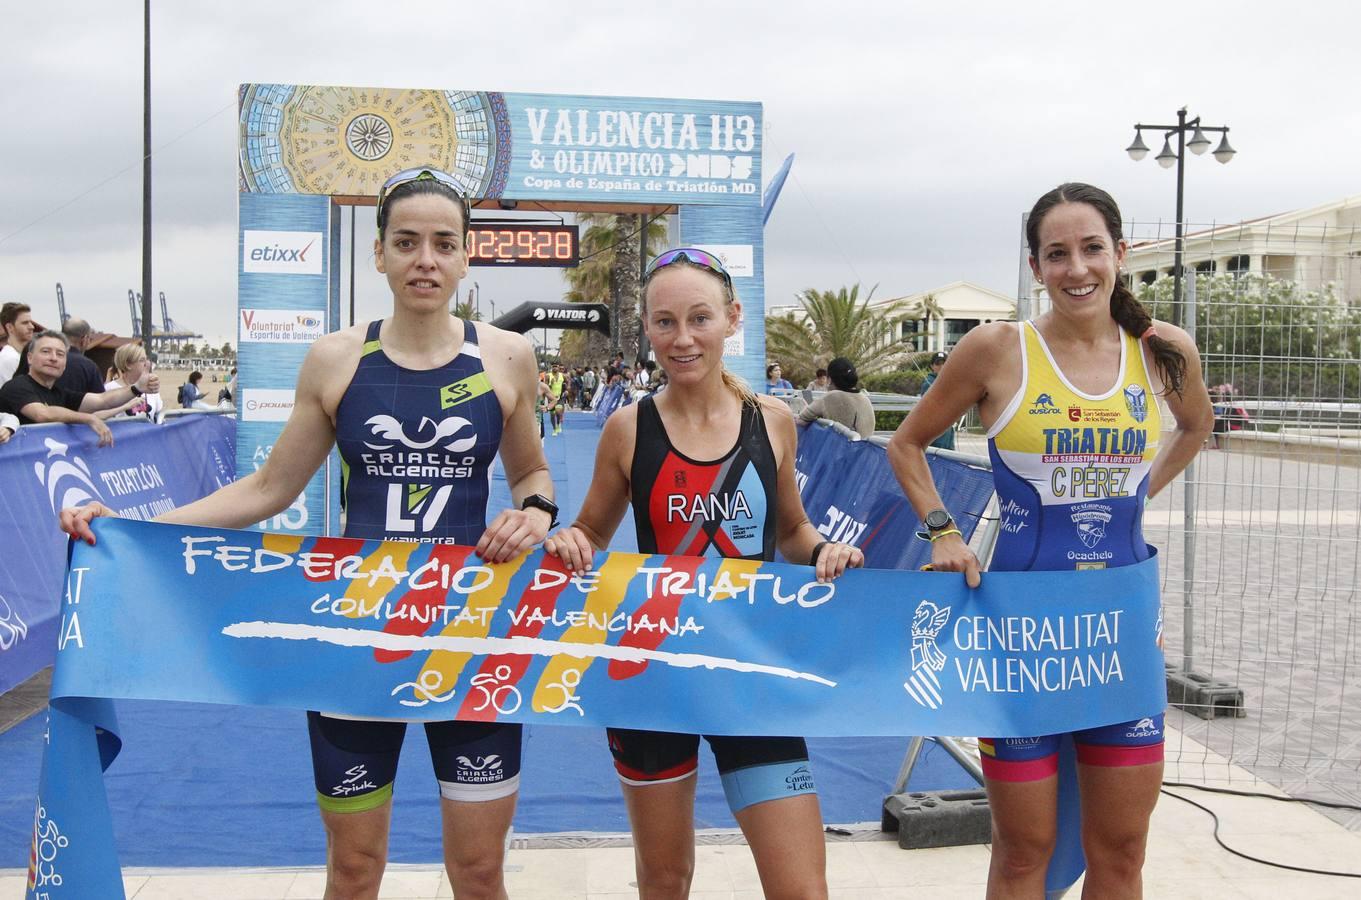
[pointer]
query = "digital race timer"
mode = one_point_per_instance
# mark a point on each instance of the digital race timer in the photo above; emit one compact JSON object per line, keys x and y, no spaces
{"x":512,"y":244}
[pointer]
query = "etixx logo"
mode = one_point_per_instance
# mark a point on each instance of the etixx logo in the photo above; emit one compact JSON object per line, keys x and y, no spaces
{"x":923,"y":685}
{"x":281,"y":252}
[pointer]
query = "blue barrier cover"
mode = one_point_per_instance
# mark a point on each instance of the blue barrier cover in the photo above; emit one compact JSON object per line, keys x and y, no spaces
{"x":424,"y":631}
{"x":851,"y":494}
{"x":613,"y":397}
{"x":150,"y":469}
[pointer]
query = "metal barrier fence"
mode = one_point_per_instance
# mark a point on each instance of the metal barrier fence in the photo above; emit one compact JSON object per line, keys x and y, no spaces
{"x":1260,"y":538}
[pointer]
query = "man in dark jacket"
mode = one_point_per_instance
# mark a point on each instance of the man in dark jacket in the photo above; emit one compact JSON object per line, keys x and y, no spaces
{"x":81,"y":375}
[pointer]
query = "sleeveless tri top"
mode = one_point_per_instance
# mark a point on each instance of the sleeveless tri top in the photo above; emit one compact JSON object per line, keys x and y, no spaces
{"x":1071,"y":469}
{"x":416,"y":446}
{"x":724,"y":507}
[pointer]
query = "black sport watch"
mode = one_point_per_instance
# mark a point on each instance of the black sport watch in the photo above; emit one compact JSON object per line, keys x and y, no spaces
{"x":937,"y":520}
{"x":539,"y":501}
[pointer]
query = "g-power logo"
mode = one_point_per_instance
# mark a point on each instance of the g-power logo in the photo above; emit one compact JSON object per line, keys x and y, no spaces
{"x":281,"y":252}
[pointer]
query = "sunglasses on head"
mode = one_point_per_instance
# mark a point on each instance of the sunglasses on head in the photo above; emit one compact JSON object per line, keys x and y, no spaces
{"x":407,"y":176}
{"x":693,"y":256}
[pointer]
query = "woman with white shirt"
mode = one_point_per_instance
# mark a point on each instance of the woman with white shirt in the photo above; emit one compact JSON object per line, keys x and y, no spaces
{"x":130,"y":363}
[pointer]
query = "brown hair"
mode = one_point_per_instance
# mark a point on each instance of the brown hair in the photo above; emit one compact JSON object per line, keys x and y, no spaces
{"x":10,"y":312}
{"x":733,"y":383}
{"x":1128,"y":312}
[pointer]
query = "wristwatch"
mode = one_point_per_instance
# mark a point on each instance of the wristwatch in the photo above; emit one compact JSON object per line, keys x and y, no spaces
{"x":136,"y":391}
{"x":539,"y":501}
{"x":937,"y":520}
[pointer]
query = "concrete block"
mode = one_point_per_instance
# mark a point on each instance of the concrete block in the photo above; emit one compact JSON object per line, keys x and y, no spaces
{"x":1204,"y":696}
{"x":925,"y":819}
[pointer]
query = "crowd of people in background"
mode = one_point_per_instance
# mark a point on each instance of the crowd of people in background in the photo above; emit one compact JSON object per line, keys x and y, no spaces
{"x":67,"y":384}
{"x":582,"y":387}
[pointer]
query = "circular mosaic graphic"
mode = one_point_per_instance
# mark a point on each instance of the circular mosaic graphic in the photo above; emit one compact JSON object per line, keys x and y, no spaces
{"x":346,"y":141}
{"x":368,"y":136}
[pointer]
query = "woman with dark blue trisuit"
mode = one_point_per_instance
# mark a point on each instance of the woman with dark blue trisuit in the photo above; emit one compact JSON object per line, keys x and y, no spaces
{"x":709,"y":467}
{"x":418,"y":392}
{"x":1070,"y":402}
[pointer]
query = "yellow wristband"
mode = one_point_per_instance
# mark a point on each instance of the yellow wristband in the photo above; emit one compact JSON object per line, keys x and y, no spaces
{"x":942,"y":534}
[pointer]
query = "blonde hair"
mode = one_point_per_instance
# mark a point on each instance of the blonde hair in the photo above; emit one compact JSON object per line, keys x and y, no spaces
{"x":739,"y":387}
{"x":125,"y":356}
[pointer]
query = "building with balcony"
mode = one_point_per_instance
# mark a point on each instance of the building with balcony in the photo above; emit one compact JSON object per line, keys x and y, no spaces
{"x":1312,"y":248}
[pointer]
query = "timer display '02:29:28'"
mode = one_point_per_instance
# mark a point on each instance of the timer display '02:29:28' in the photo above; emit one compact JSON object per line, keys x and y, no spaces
{"x":522,"y":245}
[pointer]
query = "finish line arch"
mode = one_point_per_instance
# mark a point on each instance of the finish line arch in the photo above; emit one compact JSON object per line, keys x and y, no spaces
{"x":304,"y":151}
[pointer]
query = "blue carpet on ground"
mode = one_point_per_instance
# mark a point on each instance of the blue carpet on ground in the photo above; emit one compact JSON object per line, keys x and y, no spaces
{"x":203,"y":785}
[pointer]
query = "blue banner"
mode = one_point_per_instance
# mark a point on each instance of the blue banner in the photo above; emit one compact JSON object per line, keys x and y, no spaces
{"x":422,"y":631}
{"x":288,"y":293}
{"x":149,"y":470}
{"x":870,"y":510}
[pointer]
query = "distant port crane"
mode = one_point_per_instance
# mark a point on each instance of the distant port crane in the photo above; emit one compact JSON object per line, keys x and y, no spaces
{"x":168,"y":333}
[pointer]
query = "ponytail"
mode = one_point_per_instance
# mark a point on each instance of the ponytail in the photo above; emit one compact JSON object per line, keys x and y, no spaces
{"x":1131,"y":315}
{"x":738,"y":387}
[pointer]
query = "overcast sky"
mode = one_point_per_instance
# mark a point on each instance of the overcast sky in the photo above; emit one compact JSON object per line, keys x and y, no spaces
{"x":922,"y":131}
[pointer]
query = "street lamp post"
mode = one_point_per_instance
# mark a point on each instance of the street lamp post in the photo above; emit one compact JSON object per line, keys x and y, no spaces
{"x":1197,"y":145}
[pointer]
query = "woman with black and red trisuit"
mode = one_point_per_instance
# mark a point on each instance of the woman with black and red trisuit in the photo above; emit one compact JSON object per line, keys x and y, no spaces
{"x":709,"y":468}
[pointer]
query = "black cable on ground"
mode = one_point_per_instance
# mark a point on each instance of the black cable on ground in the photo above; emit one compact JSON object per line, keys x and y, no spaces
{"x":1239,"y":853}
{"x":1214,"y":790}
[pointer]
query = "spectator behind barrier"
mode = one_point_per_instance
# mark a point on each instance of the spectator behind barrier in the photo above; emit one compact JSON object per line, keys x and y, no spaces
{"x":190,"y":395}
{"x":34,"y":397}
{"x":227,"y":395}
{"x":845,"y":403}
{"x":130,"y":363}
{"x":946,"y":440}
{"x":16,"y":327}
{"x":81,"y":375}
{"x":774,"y":383}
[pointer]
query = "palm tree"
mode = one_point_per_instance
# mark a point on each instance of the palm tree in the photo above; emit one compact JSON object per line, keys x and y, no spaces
{"x":838,"y":323}
{"x":609,"y":273}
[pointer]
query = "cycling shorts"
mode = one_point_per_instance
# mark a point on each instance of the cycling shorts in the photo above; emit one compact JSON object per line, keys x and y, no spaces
{"x":1133,"y":743}
{"x":354,"y":763}
{"x":753,"y":769}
